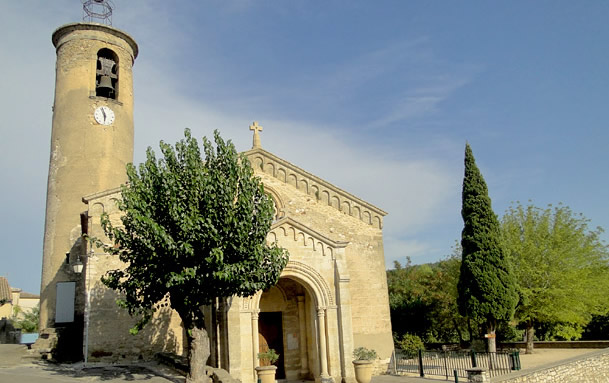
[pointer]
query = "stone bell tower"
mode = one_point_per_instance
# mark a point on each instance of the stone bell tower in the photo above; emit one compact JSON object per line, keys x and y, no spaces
{"x":91,"y":142}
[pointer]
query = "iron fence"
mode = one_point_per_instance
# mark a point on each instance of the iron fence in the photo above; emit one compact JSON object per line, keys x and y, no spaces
{"x":455,"y":363}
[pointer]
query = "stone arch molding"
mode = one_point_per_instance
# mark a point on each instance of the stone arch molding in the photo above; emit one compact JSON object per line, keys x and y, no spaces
{"x":312,"y":280}
{"x":277,"y":201}
{"x":309,"y":278}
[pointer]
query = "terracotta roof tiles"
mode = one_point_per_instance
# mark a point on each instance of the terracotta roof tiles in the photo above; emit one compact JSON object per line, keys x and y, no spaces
{"x":5,"y":290}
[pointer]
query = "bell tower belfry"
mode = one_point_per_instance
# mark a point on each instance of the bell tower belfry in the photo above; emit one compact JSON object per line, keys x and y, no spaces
{"x":91,"y":142}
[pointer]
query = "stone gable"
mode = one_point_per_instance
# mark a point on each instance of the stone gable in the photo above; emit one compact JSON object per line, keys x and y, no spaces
{"x":323,"y":191}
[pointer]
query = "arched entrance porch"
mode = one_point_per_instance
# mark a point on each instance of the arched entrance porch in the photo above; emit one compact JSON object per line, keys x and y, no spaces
{"x":292,"y":317}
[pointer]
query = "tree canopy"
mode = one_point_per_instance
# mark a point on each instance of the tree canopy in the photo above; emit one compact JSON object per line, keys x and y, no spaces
{"x":26,"y":320}
{"x":561,"y":266}
{"x":193,"y":229}
{"x":487,"y":291}
{"x":423,"y":300}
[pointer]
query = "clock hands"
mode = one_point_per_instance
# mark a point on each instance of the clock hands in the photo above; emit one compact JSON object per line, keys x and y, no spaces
{"x":104,"y":115}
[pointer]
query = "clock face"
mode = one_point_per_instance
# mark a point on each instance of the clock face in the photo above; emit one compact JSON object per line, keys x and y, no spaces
{"x":104,"y":115}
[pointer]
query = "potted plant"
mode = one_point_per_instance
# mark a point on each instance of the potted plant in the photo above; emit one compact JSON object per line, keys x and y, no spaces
{"x":363,"y":364}
{"x":266,"y":370}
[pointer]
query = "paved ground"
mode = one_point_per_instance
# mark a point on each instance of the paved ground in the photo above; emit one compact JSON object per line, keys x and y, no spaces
{"x":18,"y":365}
{"x":545,"y":356}
{"x":539,"y":358}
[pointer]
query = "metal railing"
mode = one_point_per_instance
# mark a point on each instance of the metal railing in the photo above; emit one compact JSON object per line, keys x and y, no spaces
{"x":455,"y":363}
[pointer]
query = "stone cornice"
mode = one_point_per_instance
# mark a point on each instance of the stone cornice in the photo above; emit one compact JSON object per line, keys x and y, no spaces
{"x":324,"y":191}
{"x":64,"y":30}
{"x":88,"y":198}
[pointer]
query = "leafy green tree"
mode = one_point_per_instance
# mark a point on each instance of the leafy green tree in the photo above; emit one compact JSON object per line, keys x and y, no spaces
{"x":423,"y":300}
{"x":193,"y":229}
{"x":443,"y":289}
{"x":27,"y":321}
{"x":597,"y":328}
{"x":487,"y":291}
{"x":409,"y":302}
{"x":410,"y":344}
{"x":562,"y":269}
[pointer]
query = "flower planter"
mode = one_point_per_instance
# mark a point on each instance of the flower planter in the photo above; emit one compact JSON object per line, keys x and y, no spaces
{"x":363,"y":370}
{"x":266,"y":374}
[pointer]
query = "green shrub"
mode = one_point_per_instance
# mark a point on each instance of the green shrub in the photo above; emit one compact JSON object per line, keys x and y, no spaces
{"x":362,"y":353}
{"x":478,"y":345}
{"x":26,"y":321}
{"x":410,"y":344}
{"x":268,"y":358}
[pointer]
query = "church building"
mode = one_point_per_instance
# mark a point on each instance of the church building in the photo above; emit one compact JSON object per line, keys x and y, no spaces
{"x":331,"y":297}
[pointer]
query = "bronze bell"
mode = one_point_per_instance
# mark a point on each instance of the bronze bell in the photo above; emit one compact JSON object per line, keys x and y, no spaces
{"x":105,"y":83}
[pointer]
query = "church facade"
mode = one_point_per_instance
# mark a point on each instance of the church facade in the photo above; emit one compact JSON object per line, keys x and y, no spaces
{"x":331,"y":297}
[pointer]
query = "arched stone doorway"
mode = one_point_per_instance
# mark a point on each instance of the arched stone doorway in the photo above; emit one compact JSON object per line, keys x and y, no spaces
{"x":286,"y":323}
{"x":297,"y":308}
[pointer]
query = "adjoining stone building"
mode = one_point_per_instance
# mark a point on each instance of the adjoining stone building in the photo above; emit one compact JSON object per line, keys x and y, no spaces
{"x":331,"y":297}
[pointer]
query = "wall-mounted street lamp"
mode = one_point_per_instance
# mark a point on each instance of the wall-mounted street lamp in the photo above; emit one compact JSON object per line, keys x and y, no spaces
{"x":77,"y":265}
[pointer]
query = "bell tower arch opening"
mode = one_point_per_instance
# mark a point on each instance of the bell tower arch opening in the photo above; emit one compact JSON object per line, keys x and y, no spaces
{"x":106,"y":74}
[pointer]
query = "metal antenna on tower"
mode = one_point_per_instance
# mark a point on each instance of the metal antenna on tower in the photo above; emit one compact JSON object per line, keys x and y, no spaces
{"x":99,"y":11}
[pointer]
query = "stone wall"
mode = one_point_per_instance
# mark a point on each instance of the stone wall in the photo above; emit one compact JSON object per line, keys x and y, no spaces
{"x":8,"y":333}
{"x":589,"y":368}
{"x":558,"y":344}
{"x":108,"y":326}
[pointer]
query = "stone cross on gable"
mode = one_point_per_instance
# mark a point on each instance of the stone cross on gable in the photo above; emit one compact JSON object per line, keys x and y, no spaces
{"x":256,"y":128}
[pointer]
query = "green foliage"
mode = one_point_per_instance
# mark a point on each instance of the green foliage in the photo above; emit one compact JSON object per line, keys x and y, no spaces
{"x":27,"y":321}
{"x":562,"y":269}
{"x":487,"y":290}
{"x":507,"y":332}
{"x":478,"y":345}
{"x":410,"y":344}
{"x":485,"y":284}
{"x":362,"y":353}
{"x":268,"y":358}
{"x":193,"y":229}
{"x":423,"y":300}
{"x":597,"y":328}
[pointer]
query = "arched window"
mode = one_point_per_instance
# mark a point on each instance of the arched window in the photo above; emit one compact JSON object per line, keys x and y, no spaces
{"x":277,"y":203}
{"x":106,"y":75}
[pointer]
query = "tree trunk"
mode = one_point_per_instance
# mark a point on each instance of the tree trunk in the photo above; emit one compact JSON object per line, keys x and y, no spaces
{"x":469,"y":330}
{"x":198,"y":355}
{"x":530,"y":337}
{"x":458,"y":330}
{"x":492,"y":340}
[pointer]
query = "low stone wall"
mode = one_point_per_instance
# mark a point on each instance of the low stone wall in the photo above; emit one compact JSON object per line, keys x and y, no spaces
{"x":558,"y":344}
{"x":523,"y":345}
{"x":8,"y":333}
{"x":589,"y":368}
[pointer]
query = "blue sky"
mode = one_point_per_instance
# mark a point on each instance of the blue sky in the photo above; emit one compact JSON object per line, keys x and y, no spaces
{"x":378,"y":98}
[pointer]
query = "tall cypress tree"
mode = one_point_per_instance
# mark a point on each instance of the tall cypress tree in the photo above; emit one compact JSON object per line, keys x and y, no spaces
{"x":487,"y":290}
